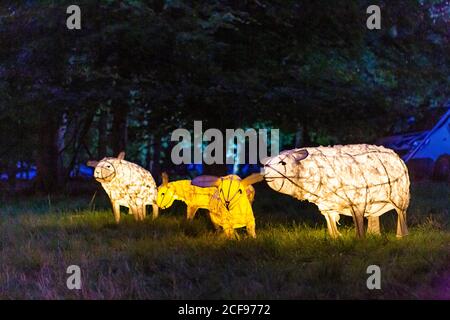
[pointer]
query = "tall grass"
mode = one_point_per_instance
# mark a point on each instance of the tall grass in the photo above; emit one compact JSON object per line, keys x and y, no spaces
{"x":292,"y":257}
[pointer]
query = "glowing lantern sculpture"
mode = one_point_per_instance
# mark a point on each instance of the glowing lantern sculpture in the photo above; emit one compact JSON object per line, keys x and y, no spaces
{"x":126,"y":184}
{"x":230,"y":206}
{"x":207,"y":181}
{"x":195,"y":197}
{"x":353,"y":180}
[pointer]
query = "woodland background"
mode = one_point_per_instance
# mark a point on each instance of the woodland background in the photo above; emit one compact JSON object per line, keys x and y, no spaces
{"x":140,"y":69}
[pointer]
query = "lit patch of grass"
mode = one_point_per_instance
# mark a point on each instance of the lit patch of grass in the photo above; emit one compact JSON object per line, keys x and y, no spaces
{"x":292,"y":257}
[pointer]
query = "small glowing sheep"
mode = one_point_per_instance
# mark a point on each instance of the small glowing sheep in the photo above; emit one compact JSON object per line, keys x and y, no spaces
{"x":126,"y":184}
{"x":353,"y":180}
{"x":230,"y":206}
{"x":194,"y":196}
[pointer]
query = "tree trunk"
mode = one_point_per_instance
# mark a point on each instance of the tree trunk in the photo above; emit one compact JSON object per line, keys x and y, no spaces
{"x":47,"y":153}
{"x":156,"y":157}
{"x":61,"y":145}
{"x":102,"y":135}
{"x":119,"y":129}
{"x":79,"y":142}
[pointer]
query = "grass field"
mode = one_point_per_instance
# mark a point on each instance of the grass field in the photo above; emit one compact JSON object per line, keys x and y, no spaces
{"x":292,"y":257}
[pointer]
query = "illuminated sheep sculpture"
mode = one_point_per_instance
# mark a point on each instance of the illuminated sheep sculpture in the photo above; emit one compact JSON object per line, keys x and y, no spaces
{"x":230,"y":206}
{"x":193,"y":196}
{"x":354,"y":180}
{"x":126,"y":184}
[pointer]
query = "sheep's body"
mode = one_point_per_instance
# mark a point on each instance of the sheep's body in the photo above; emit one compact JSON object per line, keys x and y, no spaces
{"x":195,"y":197}
{"x":192,"y":195}
{"x":131,"y":186}
{"x":239,"y":212}
{"x":353,"y":180}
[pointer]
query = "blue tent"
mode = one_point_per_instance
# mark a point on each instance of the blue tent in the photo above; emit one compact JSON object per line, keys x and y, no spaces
{"x":430,"y":143}
{"x":434,"y":143}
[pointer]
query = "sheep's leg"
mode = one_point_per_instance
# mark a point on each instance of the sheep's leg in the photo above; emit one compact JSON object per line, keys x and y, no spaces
{"x":155,"y":211}
{"x":191,"y":212}
{"x":213,"y":221}
{"x":144,"y":211}
{"x":215,"y":225}
{"x":188,"y":213}
{"x":135,"y":213}
{"x":334,"y":218}
{"x":330,"y":229}
{"x":402,"y":229}
{"x":141,"y":211}
{"x":138,"y":213}
{"x":229,"y":232}
{"x":251,"y":229}
{"x":373,"y":226}
{"x":331,"y":225}
{"x":194,"y":213}
{"x":116,"y":211}
{"x":358,"y":218}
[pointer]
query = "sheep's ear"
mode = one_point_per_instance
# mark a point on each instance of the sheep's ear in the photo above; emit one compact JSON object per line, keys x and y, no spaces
{"x":121,"y":155}
{"x":300,"y":155}
{"x":253,"y":178}
{"x":92,"y":163}
{"x":205,"y":181}
{"x":265,"y":160}
{"x":165,"y":178}
{"x":217,"y":182}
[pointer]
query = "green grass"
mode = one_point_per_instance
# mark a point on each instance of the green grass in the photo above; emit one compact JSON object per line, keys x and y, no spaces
{"x":292,"y":257}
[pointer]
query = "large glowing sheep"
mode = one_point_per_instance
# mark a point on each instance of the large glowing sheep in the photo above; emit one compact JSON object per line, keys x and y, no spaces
{"x":126,"y":184}
{"x":353,"y":180}
{"x":230,"y":207}
{"x":194,"y":196}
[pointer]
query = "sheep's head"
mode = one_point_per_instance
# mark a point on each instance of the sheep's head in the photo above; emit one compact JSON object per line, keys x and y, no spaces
{"x":166,"y":193}
{"x":231,"y":188}
{"x":278,"y":170}
{"x":104,"y":170}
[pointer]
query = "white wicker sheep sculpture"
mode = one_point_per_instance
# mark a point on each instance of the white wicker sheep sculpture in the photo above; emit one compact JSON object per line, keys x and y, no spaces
{"x":126,"y":184}
{"x":230,"y":206}
{"x":354,"y":180}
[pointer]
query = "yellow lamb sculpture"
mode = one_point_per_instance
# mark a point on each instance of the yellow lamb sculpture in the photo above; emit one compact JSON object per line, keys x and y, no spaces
{"x":230,"y":206}
{"x":195,"y":197}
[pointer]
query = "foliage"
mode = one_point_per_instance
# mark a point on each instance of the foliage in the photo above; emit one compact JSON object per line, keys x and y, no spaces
{"x":153,"y":66}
